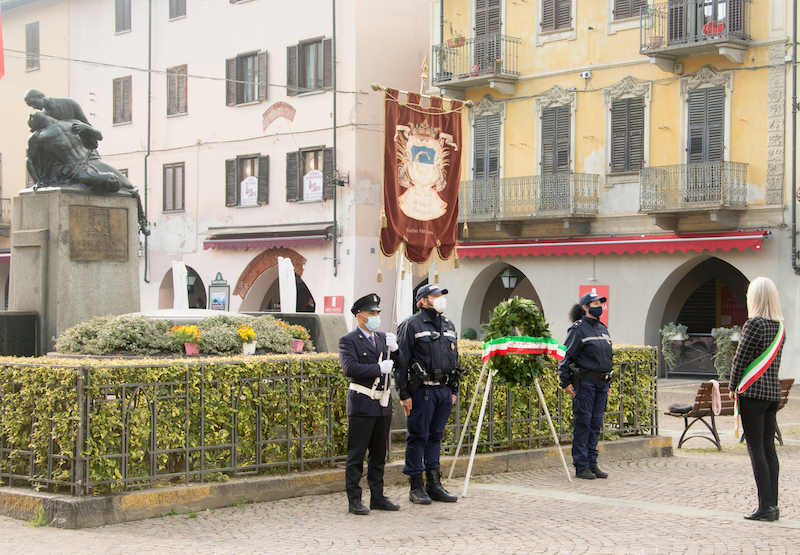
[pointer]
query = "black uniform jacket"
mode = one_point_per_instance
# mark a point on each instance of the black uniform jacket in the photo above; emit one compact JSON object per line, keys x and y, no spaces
{"x":359,"y":361}
{"x":429,"y":339}
{"x":588,"y":348}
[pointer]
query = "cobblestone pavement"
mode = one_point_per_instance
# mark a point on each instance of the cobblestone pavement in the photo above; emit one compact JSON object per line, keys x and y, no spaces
{"x":691,"y":503}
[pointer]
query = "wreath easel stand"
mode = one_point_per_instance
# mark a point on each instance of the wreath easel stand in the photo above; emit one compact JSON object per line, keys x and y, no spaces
{"x":516,"y":345}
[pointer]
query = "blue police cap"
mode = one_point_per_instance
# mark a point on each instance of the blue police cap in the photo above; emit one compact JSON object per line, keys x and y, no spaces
{"x":429,"y":289}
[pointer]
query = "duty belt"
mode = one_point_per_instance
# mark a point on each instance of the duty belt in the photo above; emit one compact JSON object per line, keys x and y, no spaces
{"x":603,"y":376}
{"x":432,"y":383}
{"x":371,"y":393}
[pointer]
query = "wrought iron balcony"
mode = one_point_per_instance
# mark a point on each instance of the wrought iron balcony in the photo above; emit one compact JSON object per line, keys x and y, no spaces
{"x":560,"y":195}
{"x":693,"y":187}
{"x":461,"y":64}
{"x":685,"y":28}
{"x":5,"y":216}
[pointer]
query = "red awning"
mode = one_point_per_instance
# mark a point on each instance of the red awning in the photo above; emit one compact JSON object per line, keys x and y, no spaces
{"x":5,"y":256}
{"x":630,"y":244}
{"x":263,"y":242}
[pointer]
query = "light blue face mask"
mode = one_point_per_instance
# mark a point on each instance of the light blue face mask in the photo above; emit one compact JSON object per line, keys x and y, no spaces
{"x":373,"y":323}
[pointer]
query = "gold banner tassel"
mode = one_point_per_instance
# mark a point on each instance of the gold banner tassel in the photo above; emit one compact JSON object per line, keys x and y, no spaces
{"x":465,"y":231}
{"x":379,"y":277}
{"x":384,"y":222}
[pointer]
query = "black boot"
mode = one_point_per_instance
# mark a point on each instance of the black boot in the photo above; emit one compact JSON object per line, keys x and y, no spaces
{"x":435,"y":489}
{"x":418,"y":494}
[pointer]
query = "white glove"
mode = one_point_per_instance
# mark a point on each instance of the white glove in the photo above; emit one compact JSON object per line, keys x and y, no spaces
{"x":391,"y":342}
{"x":386,"y":366}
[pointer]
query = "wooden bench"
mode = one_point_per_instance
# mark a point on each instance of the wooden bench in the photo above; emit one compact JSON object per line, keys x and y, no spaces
{"x":702,"y":412}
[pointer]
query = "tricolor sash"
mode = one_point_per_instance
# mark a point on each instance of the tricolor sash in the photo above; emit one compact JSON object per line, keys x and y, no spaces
{"x":523,"y":346}
{"x":756,"y":369}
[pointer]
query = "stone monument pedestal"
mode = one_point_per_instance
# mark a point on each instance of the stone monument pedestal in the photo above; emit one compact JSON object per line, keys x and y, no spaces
{"x":74,"y":256}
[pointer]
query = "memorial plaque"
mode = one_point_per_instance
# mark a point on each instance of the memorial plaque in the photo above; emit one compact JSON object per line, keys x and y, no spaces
{"x":98,"y":233}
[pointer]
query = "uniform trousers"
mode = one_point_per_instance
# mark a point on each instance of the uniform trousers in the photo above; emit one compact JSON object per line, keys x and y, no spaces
{"x":760,"y":424}
{"x":366,"y":433}
{"x":430,"y":411}
{"x":588,"y":408}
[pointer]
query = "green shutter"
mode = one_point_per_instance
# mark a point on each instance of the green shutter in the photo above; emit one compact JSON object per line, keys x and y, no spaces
{"x":263,"y":180}
{"x":706,"y":125}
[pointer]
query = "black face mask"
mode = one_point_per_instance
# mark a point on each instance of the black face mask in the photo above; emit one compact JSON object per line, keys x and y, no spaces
{"x":596,"y":311}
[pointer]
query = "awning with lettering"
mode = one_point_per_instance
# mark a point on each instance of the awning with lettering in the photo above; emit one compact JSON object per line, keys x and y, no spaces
{"x":629,"y":244}
{"x":310,"y":234}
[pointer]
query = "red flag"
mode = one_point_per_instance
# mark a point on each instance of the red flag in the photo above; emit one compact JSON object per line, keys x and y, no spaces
{"x":2,"y":65}
{"x":422,"y":169}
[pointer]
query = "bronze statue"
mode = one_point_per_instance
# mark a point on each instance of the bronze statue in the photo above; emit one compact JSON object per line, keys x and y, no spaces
{"x":60,"y":153}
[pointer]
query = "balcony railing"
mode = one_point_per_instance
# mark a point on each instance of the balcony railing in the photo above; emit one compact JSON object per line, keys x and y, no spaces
{"x":484,"y":56}
{"x":690,"y":23}
{"x":700,"y":186}
{"x":5,"y":212}
{"x":520,"y":198}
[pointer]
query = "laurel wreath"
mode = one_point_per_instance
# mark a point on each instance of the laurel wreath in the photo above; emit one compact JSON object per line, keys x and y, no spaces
{"x":517,"y":317}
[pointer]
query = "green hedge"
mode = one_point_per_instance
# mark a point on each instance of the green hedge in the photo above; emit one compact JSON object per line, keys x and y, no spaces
{"x":199,"y":408}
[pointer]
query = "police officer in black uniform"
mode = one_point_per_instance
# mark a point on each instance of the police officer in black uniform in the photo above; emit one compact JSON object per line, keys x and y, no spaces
{"x":428,"y":384}
{"x":367,"y":357}
{"x":585,"y":373}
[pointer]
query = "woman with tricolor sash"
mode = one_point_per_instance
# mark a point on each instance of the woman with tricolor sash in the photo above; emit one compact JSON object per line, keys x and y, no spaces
{"x":756,"y":388}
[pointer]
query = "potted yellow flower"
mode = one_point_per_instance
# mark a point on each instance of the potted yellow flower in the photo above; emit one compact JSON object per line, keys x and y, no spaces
{"x":190,"y":336}
{"x":248,"y":338}
{"x":299,"y":337}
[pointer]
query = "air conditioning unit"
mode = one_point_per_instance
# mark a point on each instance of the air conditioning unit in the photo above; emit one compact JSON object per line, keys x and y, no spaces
{"x":678,"y":68}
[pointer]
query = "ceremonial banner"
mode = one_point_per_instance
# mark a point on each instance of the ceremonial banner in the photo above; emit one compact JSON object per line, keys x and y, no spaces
{"x":523,"y":346}
{"x":422,"y":169}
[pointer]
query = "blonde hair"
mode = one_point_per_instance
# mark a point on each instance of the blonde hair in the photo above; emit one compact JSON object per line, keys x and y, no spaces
{"x":762,"y":300}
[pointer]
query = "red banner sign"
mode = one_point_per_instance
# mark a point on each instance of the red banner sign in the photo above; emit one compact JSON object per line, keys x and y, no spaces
{"x":602,"y":291}
{"x":422,"y":170}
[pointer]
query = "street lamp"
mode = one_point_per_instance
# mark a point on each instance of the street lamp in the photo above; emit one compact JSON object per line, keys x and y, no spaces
{"x":190,"y":281}
{"x":508,"y":278}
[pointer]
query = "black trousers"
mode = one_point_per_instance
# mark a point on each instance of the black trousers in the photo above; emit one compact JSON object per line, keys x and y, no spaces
{"x":366,"y":433}
{"x":760,"y":424}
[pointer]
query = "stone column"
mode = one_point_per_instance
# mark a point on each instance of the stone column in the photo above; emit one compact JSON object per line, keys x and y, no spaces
{"x":74,"y":256}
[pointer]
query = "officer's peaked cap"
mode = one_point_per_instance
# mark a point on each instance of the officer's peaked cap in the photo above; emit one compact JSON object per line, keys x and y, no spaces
{"x":429,"y":289}
{"x":589,"y":297}
{"x":367,"y":302}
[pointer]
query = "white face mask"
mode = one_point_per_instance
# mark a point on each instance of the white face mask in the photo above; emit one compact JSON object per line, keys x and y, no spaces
{"x":440,"y":304}
{"x":373,"y":323}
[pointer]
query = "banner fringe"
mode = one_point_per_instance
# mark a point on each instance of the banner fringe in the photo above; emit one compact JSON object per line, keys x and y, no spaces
{"x":465,"y":231}
{"x":379,"y":277}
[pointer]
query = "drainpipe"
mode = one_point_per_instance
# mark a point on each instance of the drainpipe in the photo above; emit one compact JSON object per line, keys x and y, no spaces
{"x":441,"y":24}
{"x":334,"y":172}
{"x":149,"y":107}
{"x":794,"y":139}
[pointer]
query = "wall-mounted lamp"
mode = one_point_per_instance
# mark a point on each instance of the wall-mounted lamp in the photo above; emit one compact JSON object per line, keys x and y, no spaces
{"x":190,"y":281}
{"x":509,"y":278}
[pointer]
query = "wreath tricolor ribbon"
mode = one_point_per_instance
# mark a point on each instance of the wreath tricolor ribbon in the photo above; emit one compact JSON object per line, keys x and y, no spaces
{"x":756,"y":369}
{"x":523,"y":346}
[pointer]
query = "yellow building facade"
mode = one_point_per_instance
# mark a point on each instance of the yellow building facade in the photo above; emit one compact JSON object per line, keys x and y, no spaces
{"x":639,"y":148}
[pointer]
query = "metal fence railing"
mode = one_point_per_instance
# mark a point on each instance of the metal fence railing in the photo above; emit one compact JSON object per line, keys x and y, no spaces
{"x":5,"y":211}
{"x":680,"y":23}
{"x":78,"y":429}
{"x":515,"y":198}
{"x":686,"y":186}
{"x":487,"y":55}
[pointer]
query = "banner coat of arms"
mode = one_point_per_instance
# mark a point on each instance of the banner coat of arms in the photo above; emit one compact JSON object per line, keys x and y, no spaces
{"x":422,"y":169}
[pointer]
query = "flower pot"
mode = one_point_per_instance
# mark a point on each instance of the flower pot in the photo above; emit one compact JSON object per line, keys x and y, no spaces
{"x":654,"y":41}
{"x":735,"y":337}
{"x":677,"y":337}
{"x":456,"y":42}
{"x":249,"y":348}
{"x":297,"y":345}
{"x":192,"y":348}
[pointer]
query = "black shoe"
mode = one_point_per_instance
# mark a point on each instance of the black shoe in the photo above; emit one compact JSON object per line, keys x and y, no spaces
{"x":383,"y":504}
{"x":358,"y":508}
{"x":435,"y":490}
{"x":597,"y":472}
{"x":770,"y":514}
{"x":586,"y":474}
{"x":417,"y":494}
{"x":777,"y":512}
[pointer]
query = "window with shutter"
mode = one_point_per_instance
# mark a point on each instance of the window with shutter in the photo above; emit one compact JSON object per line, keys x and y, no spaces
{"x":563,"y":14}
{"x":122,"y":100}
{"x":328,"y":186}
{"x":624,"y":9}
{"x":230,"y":183}
{"x":263,"y":180}
{"x":246,"y":78}
{"x":32,"y":46}
{"x":706,"y":125}
{"x":736,"y":17}
{"x":488,"y":26}
{"x":291,"y":70}
{"x":486,"y":134}
{"x":173,"y":187}
{"x":548,"y":22}
{"x":292,"y":176}
{"x":176,"y":90}
{"x":627,"y":134}
{"x":122,"y":12}
{"x":309,"y":66}
{"x":555,"y":139}
{"x":676,"y":22}
{"x":177,"y":8}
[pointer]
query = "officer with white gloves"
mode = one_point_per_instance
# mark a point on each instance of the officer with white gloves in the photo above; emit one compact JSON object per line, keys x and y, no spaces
{"x":367,"y":357}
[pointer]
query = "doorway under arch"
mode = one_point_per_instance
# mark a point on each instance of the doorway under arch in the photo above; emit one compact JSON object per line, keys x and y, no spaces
{"x":196,"y":290}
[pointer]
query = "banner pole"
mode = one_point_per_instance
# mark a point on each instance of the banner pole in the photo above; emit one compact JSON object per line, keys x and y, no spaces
{"x":466,"y":420}
{"x":552,"y":428}
{"x":477,"y":433}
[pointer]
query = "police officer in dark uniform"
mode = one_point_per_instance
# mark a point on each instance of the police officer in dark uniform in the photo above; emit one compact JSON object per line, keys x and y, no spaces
{"x":585,"y":373}
{"x":428,"y":385}
{"x":367,"y":357}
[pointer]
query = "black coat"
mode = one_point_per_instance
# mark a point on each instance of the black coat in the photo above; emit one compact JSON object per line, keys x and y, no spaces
{"x":359,"y":361}
{"x":588,"y":348}
{"x":429,"y":339}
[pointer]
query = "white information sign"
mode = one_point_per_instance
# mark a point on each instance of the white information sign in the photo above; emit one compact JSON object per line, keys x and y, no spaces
{"x":312,"y":185}
{"x":248,"y":195}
